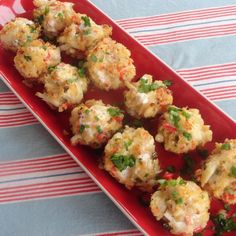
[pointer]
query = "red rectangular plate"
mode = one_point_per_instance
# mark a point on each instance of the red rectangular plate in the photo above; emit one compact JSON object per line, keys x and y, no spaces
{"x":145,"y":62}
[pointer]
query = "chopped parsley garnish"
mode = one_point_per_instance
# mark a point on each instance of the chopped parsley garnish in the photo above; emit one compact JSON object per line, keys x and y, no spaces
{"x":167,"y":83}
{"x":127,"y":144}
{"x":170,"y":169}
{"x":94,"y":58}
{"x":113,"y":112}
{"x":175,"y":196}
{"x":28,"y":58}
{"x":86,"y":20}
{"x":72,"y":80}
{"x":40,"y":19}
{"x":123,"y":161}
{"x":187,"y":135}
{"x":174,"y":116}
{"x":225,"y":146}
{"x":203,"y":153}
{"x":82,"y":128}
{"x":29,"y":39}
{"x":186,"y":114}
{"x":81,"y":72}
{"x":188,"y":166}
{"x":227,"y":207}
{"x":61,"y":15}
{"x":51,"y":68}
{"x":87,"y":31}
{"x":223,"y":224}
{"x":87,"y":111}
{"x":171,"y":182}
{"x":32,"y":28}
{"x":233,"y":171}
{"x":146,"y":87}
{"x":81,"y":69}
{"x":46,"y":10}
{"x":99,"y":129}
{"x":137,"y":123}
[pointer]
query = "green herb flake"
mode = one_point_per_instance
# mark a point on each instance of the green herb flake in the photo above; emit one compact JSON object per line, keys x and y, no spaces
{"x":99,"y":129}
{"x":233,"y":172}
{"x":223,"y":224}
{"x":27,"y":58}
{"x":167,"y":83}
{"x":61,"y":16}
{"x":187,"y":135}
{"x":188,"y":166}
{"x":72,"y":80}
{"x":94,"y":58}
{"x":87,"y":111}
{"x":82,"y":128}
{"x":225,"y":146}
{"x":86,"y":20}
{"x":127,"y":144}
{"x":227,"y":207}
{"x":82,"y":72}
{"x":175,"y":196}
{"x":32,"y":28}
{"x":46,"y":10}
{"x":114,"y":112}
{"x":174,"y":116}
{"x":186,"y":114}
{"x":40,"y":19}
{"x":123,"y":161}
{"x":88,"y":31}
{"x":170,"y":169}
{"x":203,"y":153}
{"x":51,"y":68}
{"x":145,"y":87}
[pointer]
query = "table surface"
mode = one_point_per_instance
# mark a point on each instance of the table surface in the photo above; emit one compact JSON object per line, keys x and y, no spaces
{"x":42,"y":190}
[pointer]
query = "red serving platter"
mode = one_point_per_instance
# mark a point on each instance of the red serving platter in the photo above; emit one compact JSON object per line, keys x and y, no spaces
{"x":146,"y":62}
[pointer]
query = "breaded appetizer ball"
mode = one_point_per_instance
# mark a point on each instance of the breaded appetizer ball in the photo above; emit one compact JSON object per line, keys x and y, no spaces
{"x":182,"y":204}
{"x":182,"y":130}
{"x":218,"y":174}
{"x":35,"y":58}
{"x":54,"y":16}
{"x":110,"y":65}
{"x":93,"y":123}
{"x":64,"y":86}
{"x":82,"y":35}
{"x":146,"y":98}
{"x":130,"y":158}
{"x":18,"y":32}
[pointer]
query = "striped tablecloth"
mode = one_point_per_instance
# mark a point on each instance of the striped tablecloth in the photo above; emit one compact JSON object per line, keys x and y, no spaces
{"x":43,"y":192}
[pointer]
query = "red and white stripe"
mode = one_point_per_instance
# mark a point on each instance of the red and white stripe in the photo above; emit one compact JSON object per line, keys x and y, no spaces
{"x":57,"y":188}
{"x":183,"y":34}
{"x":13,"y":118}
{"x":132,"y":232}
{"x":173,"y":18}
{"x":220,"y":93}
{"x":206,"y":73}
{"x":43,"y":178}
{"x":38,"y":167}
{"x":217,"y":74}
{"x":8,"y":100}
